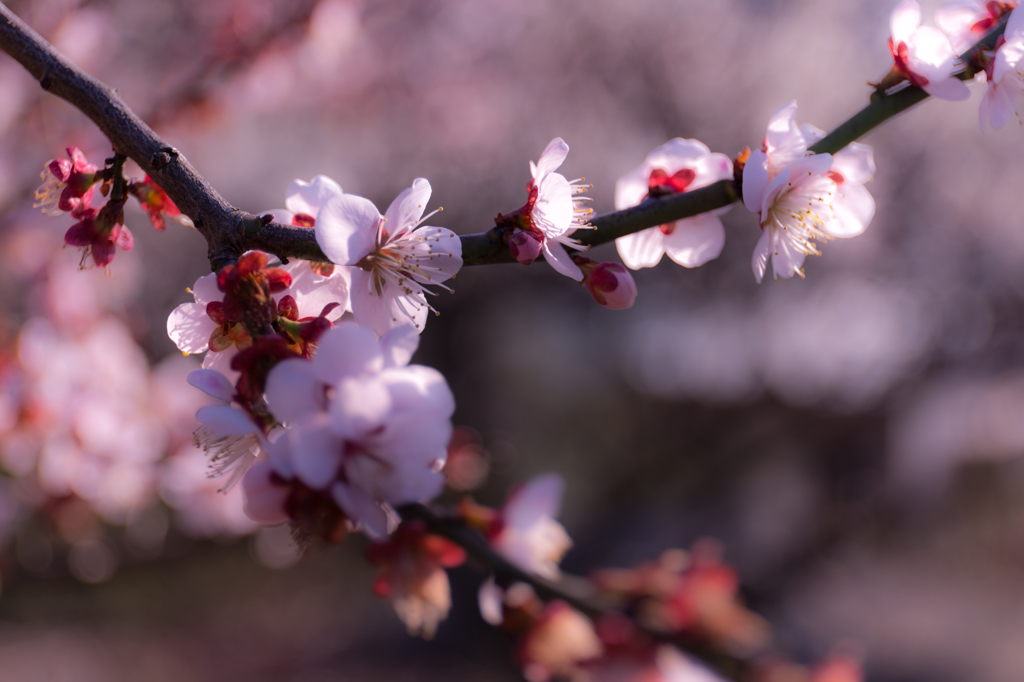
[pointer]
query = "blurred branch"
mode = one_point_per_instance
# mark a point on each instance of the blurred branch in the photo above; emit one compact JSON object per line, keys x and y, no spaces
{"x":230,"y":231}
{"x":506,"y":573}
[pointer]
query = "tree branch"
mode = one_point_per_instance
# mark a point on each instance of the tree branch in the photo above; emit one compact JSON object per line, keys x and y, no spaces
{"x":507,"y":573}
{"x":230,"y":231}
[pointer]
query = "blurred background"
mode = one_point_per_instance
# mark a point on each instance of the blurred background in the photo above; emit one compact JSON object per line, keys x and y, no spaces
{"x":853,"y":439}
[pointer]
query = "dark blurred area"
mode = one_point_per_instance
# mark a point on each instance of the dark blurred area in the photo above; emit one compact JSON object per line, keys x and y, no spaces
{"x":853,"y":438}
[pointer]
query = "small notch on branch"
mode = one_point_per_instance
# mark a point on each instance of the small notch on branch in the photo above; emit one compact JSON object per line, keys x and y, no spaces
{"x":44,"y":80}
{"x":163,"y":157}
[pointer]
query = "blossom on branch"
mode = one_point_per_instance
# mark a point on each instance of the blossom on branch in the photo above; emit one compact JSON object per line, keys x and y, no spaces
{"x":923,"y":54}
{"x":553,"y":210}
{"x":99,"y":232}
{"x":677,"y":166}
{"x":395,"y":257}
{"x":67,"y":185}
{"x":1004,"y":72}
{"x":609,"y":284}
{"x":365,"y":427}
{"x":413,"y":576}
{"x":557,"y":642}
{"x":967,"y":21}
{"x":803,"y":197}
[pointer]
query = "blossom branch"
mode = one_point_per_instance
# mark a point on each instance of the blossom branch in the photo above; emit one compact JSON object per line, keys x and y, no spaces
{"x":506,"y":572}
{"x":229,"y":231}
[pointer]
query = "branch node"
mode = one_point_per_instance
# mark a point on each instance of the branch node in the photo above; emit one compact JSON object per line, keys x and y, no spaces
{"x":163,"y":157}
{"x":44,"y":80}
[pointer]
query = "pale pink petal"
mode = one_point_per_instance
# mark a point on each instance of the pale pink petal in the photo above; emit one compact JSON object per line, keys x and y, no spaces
{"x":359,"y":406}
{"x":904,"y":21}
{"x":212,"y":383}
{"x":1015,"y":24}
{"x":346,"y":229}
{"x":555,"y":255}
{"x":856,"y":163}
{"x":312,"y":292}
{"x":955,"y":19}
{"x":949,"y":88}
{"x":439,"y":253}
{"x":808,"y":170}
{"x":632,"y":187}
{"x":294,"y":391}
{"x":407,"y":462}
{"x":398,"y":345}
{"x":221,"y":362}
{"x":553,"y":157}
{"x":642,"y":249}
{"x":406,"y":210}
{"x":264,"y":498}
{"x":224,"y":420}
{"x":676,"y":154}
{"x":310,"y":197}
{"x":1009,"y":55}
{"x":755,"y":180}
{"x":540,"y":497}
{"x":490,"y":599}
{"x":787,"y":260}
{"x":695,"y":241}
{"x":189,"y":327}
{"x":759,"y":261}
{"x":382,"y":311}
{"x":362,"y":509}
{"x":854,"y":209}
{"x":421,"y":389}
{"x":811,"y":133}
{"x":348,"y":350}
{"x":316,"y":454}
{"x":987,"y":105}
{"x":998,"y":106}
{"x":710,"y":169}
{"x":783,"y":139}
{"x":553,"y":211}
{"x":205,"y":290}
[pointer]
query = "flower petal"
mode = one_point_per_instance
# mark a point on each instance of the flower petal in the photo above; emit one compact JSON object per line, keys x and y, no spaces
{"x":293,"y":391}
{"x":904,"y":20}
{"x":553,"y":211}
{"x":398,"y":345}
{"x":695,"y":241}
{"x":189,"y":327}
{"x":642,"y":249}
{"x":556,"y":256}
{"x":310,"y":197}
{"x":316,"y":454}
{"x":212,"y":383}
{"x":346,"y":229}
{"x":540,"y":497}
{"x":364,"y":511}
{"x":264,"y":499}
{"x":385,"y":310}
{"x":224,"y":420}
{"x":406,"y":210}
{"x":856,"y":163}
{"x":632,"y":187}
{"x":490,"y":600}
{"x":205,"y":290}
{"x":755,"y":180}
{"x":553,"y":157}
{"x":348,"y":350}
{"x":854,"y":208}
{"x":759,"y":261}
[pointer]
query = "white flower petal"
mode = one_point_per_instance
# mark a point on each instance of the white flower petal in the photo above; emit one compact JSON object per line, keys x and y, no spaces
{"x":310,"y":197}
{"x":363,"y":510}
{"x":189,"y":327}
{"x":856,"y":163}
{"x":398,"y":345}
{"x":632,"y":187}
{"x":696,"y":240}
{"x":553,"y":211}
{"x":205,"y":290}
{"x":316,"y":454}
{"x":553,"y":157}
{"x":348,"y":350}
{"x":904,"y":21}
{"x":854,"y":208}
{"x":264,"y":500}
{"x":755,"y":180}
{"x":490,"y":599}
{"x":406,"y":210}
{"x":419,"y":389}
{"x":386,"y":310}
{"x":642,"y":249}
{"x":759,"y":261}
{"x":557,"y":258}
{"x":359,"y":406}
{"x":346,"y":229}
{"x":540,"y":497}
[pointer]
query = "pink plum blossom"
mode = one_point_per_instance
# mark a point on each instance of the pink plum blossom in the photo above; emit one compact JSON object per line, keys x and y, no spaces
{"x":203,"y":508}
{"x":677,"y":166}
{"x":364,"y":425}
{"x":558,"y":641}
{"x":923,"y":54}
{"x":526,"y":533}
{"x":67,"y":185}
{"x":553,"y":211}
{"x":967,"y":21}
{"x":395,"y":258}
{"x":802,"y":197}
{"x":1005,"y":76}
{"x":305,"y":199}
{"x":609,"y":284}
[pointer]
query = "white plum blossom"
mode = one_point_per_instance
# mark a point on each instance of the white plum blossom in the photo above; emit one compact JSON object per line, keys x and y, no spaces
{"x":305,"y":199}
{"x":527,"y":534}
{"x":967,"y":21}
{"x":677,"y":166}
{"x":395,"y":258}
{"x":203,"y":508}
{"x":924,"y":54}
{"x":802,"y":197}
{"x":1005,"y":75}
{"x":364,"y":425}
{"x":228,"y":434}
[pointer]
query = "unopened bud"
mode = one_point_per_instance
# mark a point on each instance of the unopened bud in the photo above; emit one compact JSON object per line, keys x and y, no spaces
{"x":525,"y":246}
{"x":610,"y":284}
